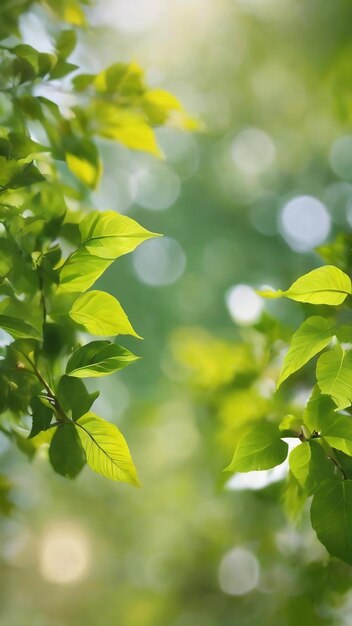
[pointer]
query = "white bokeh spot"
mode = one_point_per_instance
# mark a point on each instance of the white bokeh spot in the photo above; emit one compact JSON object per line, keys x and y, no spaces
{"x":239,"y":572}
{"x":156,"y":187}
{"x":64,"y":554}
{"x":244,"y":305}
{"x":159,"y":262}
{"x":253,"y":151}
{"x":304,"y":223}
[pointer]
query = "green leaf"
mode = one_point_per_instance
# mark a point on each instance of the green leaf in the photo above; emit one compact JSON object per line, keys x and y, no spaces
{"x":81,"y":270}
{"x":25,"y":177}
{"x":8,"y":254}
{"x":318,"y":405}
{"x":74,"y":397}
{"x":65,"y":43}
{"x":312,"y":336}
{"x":101,"y":314}
{"x":82,"y":81}
{"x":320,"y":416}
{"x":62,"y":68}
{"x":98,"y":358}
{"x":344,"y":334}
{"x":325,"y":285}
{"x":23,"y":147}
{"x":158,"y":104}
{"x":331,"y":516}
{"x":109,"y":235}
{"x":18,"y":328}
{"x":83,"y":161}
{"x":46,"y":63}
{"x":126,"y":126}
{"x":120,"y":77}
{"x":310,"y":465}
{"x":290,"y":426}
{"x":334,"y":376}
{"x":106,"y":449}
{"x":41,"y":416}
{"x":66,"y":453}
{"x":88,"y":173}
{"x":337,"y":431}
{"x":259,"y":449}
{"x":22,"y":309}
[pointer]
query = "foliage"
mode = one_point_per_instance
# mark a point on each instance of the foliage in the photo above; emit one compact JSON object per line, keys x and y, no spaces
{"x":52,"y":251}
{"x":321,"y":464}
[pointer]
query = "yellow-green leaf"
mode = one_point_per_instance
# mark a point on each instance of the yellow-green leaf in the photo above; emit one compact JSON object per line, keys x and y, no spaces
{"x":259,"y":449}
{"x":98,"y":358}
{"x":312,"y":336}
{"x":128,"y":127}
{"x":101,"y":314}
{"x":325,"y":285}
{"x":86,"y":171}
{"x":81,"y":270}
{"x":319,"y":407}
{"x":334,"y":376}
{"x":109,"y":235}
{"x":106,"y":449}
{"x":310,"y":465}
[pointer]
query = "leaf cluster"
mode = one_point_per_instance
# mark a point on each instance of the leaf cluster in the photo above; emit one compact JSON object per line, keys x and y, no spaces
{"x":52,"y":250}
{"x":321,"y":464}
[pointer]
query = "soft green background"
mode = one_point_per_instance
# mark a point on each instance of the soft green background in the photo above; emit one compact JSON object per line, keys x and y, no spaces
{"x":154,"y":556}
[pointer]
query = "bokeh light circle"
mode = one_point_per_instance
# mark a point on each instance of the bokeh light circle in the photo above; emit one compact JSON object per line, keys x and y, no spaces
{"x":244,"y":305}
{"x":156,"y":187}
{"x":239,"y":572}
{"x":304,"y":223}
{"x":253,"y":151}
{"x":159,"y":262}
{"x":64,"y":554}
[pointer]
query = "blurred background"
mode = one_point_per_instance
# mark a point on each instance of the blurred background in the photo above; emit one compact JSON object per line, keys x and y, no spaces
{"x":242,"y":203}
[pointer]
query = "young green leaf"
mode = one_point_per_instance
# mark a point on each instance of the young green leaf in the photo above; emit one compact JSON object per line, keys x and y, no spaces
{"x":158,"y":104}
{"x":331,"y":516}
{"x":109,"y":235}
{"x":66,"y":454}
{"x":324,"y":285}
{"x":310,"y":465}
{"x":334,"y":376}
{"x":106,"y":449}
{"x":101,"y":314}
{"x":41,"y":417}
{"x":87,"y":171}
{"x":8,"y":256}
{"x":317,"y":406}
{"x":320,"y":416}
{"x":66,"y":43}
{"x":98,"y":358}
{"x":128,"y":127}
{"x":312,"y":336}
{"x":81,"y":270}
{"x":82,"y":158}
{"x":259,"y":449}
{"x":18,"y":328}
{"x":290,"y":426}
{"x":74,"y":397}
{"x":337,"y":431}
